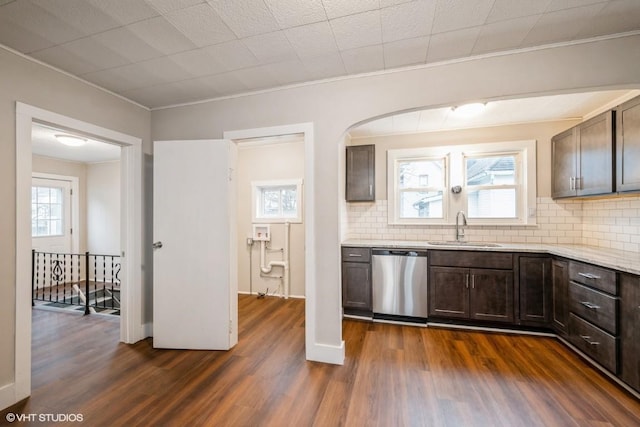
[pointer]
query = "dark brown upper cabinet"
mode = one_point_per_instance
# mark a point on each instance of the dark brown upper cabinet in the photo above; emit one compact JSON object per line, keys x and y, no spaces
{"x":628,"y":146}
{"x":361,"y":185}
{"x":583,"y":158}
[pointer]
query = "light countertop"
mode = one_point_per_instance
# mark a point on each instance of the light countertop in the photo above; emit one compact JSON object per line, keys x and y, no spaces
{"x":624,"y":261}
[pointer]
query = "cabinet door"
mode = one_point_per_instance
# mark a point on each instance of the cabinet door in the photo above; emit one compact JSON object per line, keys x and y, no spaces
{"x":491,"y":295}
{"x":630,"y":330}
{"x":595,"y":148}
{"x":560,"y":280}
{"x":535,"y":283}
{"x":360,"y":179}
{"x":449,"y":292}
{"x":628,"y":146}
{"x":563,"y":162}
{"x":356,"y":285}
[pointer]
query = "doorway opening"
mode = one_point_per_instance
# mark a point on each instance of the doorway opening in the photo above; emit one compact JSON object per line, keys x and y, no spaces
{"x":131,"y":327}
{"x":75,"y":222}
{"x":313,"y":350}
{"x":270,"y":219}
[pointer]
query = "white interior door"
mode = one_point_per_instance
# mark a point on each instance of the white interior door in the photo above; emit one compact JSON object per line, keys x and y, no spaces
{"x":194,"y":263}
{"x":51,"y":215}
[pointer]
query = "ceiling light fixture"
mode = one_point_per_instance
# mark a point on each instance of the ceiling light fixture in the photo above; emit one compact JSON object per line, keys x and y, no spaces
{"x":71,"y":140}
{"x":469,"y":110}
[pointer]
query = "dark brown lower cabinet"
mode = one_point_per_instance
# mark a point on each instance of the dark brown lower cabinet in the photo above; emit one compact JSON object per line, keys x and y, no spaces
{"x":560,"y":296}
{"x":534,"y":285}
{"x":471,"y":293}
{"x":356,"y":287}
{"x":630,"y":330}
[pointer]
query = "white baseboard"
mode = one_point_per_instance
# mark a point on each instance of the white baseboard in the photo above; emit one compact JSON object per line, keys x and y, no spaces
{"x":275,"y":295}
{"x":326,"y":353}
{"x":7,"y":396}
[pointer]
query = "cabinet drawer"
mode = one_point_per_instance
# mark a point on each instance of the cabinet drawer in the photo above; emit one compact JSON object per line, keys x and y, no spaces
{"x":596,"y":277}
{"x":594,"y":342}
{"x":596,"y":307}
{"x":496,"y":260}
{"x":356,"y":254}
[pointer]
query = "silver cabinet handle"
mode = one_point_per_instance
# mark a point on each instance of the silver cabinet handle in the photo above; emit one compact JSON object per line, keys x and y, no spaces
{"x":157,"y":245}
{"x":371,"y":190}
{"x":355,"y":255}
{"x":587,"y":338}
{"x":466,"y":279}
{"x":571,"y":183}
{"x":473,"y":281}
{"x":590,"y":305}
{"x":589,"y":276}
{"x":579,"y":183}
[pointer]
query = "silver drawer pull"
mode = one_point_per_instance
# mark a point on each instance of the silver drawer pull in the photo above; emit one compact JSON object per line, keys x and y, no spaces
{"x":589,"y":276}
{"x":587,"y":338}
{"x":590,"y":305}
{"x":355,"y":255}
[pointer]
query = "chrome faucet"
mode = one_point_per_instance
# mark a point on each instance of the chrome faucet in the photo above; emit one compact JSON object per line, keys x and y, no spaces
{"x":459,"y":229}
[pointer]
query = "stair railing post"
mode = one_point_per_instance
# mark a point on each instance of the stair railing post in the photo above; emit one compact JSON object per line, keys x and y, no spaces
{"x":33,"y":276}
{"x":86,"y":283}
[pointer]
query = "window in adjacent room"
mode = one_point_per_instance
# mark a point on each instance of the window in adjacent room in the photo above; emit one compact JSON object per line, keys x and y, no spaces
{"x":277,"y":201}
{"x":47,"y":208}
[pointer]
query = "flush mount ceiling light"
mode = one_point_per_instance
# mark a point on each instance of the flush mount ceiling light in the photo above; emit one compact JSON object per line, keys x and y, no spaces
{"x":469,"y":110}
{"x":71,"y":140}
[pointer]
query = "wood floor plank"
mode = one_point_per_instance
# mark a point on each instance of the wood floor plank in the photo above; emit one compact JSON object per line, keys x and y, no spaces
{"x":393,"y":375}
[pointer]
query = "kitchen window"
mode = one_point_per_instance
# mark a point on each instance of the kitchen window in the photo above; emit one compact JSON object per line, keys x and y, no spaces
{"x":277,"y":201}
{"x":492,"y":186}
{"x":493,"y":183}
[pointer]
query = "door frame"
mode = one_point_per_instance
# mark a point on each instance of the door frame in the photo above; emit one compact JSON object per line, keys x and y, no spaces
{"x":131,"y":322}
{"x":313,"y":349}
{"x":75,"y":200}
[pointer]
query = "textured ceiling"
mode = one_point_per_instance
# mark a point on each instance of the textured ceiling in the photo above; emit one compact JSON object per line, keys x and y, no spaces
{"x":165,"y":52}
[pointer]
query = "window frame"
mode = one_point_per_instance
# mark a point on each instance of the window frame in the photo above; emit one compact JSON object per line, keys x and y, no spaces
{"x":257,"y":189}
{"x":517,"y":185}
{"x":394,"y":158}
{"x":49,"y":219}
{"x":455,"y":175}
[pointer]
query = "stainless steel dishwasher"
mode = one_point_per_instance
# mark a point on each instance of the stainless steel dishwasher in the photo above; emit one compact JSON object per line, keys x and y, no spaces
{"x":399,"y":283}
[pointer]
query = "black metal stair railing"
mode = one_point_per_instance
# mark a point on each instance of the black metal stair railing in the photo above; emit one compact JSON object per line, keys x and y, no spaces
{"x":88,"y":280}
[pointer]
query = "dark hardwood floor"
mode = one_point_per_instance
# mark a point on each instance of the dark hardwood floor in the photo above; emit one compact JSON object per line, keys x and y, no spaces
{"x":393,"y":376}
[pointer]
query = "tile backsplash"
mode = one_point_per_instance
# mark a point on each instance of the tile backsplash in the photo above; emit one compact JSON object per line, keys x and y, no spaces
{"x":607,"y":223}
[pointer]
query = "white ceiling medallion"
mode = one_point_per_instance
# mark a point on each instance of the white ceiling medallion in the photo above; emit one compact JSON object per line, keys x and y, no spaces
{"x":71,"y":140}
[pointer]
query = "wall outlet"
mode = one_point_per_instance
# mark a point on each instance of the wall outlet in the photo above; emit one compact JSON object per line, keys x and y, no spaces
{"x":249,"y":241}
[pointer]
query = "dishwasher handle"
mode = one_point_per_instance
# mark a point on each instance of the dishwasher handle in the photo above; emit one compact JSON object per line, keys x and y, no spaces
{"x":398,"y":252}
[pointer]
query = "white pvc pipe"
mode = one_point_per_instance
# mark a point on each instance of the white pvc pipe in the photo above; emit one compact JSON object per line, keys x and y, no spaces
{"x":266,"y":268}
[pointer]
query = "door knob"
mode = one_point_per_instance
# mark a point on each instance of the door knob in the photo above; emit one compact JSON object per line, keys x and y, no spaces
{"x":157,"y":245}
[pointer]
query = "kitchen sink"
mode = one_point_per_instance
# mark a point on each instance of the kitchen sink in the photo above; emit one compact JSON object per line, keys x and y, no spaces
{"x":467,"y":244}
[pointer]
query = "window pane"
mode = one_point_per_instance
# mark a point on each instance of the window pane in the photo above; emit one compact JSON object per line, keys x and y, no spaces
{"x":420,"y":204}
{"x":43,"y":227}
{"x":56,"y":212}
{"x":499,"y":170}
{"x":270,"y":203}
{"x":493,"y":203}
{"x":43,"y":211}
{"x":421,"y":173}
{"x":43,"y":195}
{"x":56,"y":195}
{"x":289,"y":203}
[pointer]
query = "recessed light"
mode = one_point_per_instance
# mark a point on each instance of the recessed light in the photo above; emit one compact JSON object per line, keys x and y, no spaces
{"x":469,"y":110}
{"x":71,"y":140}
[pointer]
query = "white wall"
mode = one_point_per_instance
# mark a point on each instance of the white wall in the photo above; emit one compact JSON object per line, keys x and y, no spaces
{"x":103,"y":208}
{"x":275,"y":161}
{"x":334,"y":106}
